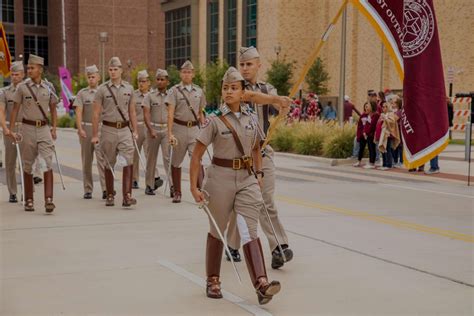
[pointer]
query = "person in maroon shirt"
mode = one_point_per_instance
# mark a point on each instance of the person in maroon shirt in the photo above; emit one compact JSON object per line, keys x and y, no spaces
{"x":369,"y":133}
{"x":360,"y":134}
{"x":348,"y":108}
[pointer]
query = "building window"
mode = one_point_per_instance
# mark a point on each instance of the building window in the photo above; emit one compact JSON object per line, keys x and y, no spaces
{"x":11,"y":44}
{"x":8,"y":13}
{"x":250,"y":23}
{"x":37,"y":45}
{"x":231,"y":32}
{"x":213,"y":31}
{"x":35,"y":12}
{"x":178,"y":36}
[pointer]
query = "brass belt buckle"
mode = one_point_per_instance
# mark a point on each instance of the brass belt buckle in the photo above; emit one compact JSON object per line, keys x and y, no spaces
{"x":236,"y":164}
{"x":38,"y":123}
{"x":190,"y":124}
{"x":119,"y":124}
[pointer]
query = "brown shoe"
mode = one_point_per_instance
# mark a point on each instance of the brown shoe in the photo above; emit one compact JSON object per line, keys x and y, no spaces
{"x":213,"y":266}
{"x":28,"y":178}
{"x":258,"y":274}
{"x":176,"y":175}
{"x":109,"y":187}
{"x":48,"y":191}
{"x":127,"y":187}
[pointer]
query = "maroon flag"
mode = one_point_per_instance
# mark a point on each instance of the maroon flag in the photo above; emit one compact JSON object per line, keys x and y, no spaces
{"x":409,"y":30}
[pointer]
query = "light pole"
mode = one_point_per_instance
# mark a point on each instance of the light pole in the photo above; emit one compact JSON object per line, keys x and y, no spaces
{"x":103,"y":38}
{"x":277,"y":50}
{"x":342,"y":74}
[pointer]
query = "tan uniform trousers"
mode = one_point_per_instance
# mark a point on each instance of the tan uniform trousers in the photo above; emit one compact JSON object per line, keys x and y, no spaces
{"x":153,"y":145}
{"x":141,"y":143}
{"x":10,"y":162}
{"x":36,"y":141}
{"x":236,"y":191}
{"x":268,"y":192}
{"x":113,"y":142}
{"x":186,"y":137}
{"x":87,"y":155}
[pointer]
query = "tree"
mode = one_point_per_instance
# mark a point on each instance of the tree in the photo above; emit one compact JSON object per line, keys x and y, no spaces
{"x":214,"y":73}
{"x":280,"y":74}
{"x":317,"y":78}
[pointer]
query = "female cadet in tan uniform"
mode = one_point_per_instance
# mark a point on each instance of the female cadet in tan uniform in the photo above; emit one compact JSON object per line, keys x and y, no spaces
{"x":232,"y":184}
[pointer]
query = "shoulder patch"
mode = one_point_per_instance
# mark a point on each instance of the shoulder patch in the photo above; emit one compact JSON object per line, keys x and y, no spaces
{"x":206,"y":122}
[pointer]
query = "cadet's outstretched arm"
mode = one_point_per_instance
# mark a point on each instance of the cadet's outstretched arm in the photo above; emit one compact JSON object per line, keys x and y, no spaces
{"x":262,"y":98}
{"x":194,"y":168}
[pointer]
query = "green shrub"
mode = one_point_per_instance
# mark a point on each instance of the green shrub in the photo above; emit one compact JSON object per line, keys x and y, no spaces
{"x":284,"y":138}
{"x":67,"y":121}
{"x":310,"y":139}
{"x":340,"y":143}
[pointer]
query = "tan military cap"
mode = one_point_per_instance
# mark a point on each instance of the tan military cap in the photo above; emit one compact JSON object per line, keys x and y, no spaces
{"x":232,"y":75}
{"x":161,"y":73}
{"x":35,"y":60}
{"x":143,"y":74}
{"x":187,"y":65}
{"x":247,"y":53}
{"x":17,"y":66}
{"x":115,"y":62}
{"x":92,"y":70}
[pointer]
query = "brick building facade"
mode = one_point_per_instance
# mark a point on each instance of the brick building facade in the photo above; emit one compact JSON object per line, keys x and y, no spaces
{"x":135,"y":31}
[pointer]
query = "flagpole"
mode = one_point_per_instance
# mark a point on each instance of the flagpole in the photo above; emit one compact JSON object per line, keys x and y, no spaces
{"x":342,"y":75}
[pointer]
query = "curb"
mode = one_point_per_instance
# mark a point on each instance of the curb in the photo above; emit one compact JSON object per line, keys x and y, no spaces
{"x":67,"y":129}
{"x":330,"y":161}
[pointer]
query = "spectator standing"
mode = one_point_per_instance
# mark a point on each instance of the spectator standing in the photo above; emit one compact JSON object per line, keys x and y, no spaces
{"x":369,"y":134}
{"x":349,"y":107}
{"x":360,"y":134}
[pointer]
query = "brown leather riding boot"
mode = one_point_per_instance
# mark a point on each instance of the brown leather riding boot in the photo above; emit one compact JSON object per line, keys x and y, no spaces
{"x":109,"y":186}
{"x":127,"y":180}
{"x":213,"y":266}
{"x":200,"y":177}
{"x":258,"y":274}
{"x":28,"y":178}
{"x":48,"y":191}
{"x":176,"y":175}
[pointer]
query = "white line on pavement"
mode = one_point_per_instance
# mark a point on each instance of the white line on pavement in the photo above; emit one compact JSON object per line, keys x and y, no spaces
{"x":253,"y":309}
{"x":425,"y":190}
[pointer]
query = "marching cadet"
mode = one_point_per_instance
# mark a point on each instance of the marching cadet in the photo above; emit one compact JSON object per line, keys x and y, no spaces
{"x":35,"y":97}
{"x":156,"y":120}
{"x":249,"y":65}
{"x":114,"y":99}
{"x":6,"y":107}
{"x":185,"y":104}
{"x":84,"y":106}
{"x":231,"y":185}
{"x":143,"y":88}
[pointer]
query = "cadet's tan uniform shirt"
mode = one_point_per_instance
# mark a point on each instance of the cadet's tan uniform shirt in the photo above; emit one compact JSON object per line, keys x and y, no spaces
{"x":232,"y":189}
{"x":124,"y":95}
{"x":36,"y":140}
{"x":186,"y":136}
{"x":6,"y":102}
{"x":85,"y":100}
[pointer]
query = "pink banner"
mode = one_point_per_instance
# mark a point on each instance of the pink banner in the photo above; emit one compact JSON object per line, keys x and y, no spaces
{"x":66,"y":87}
